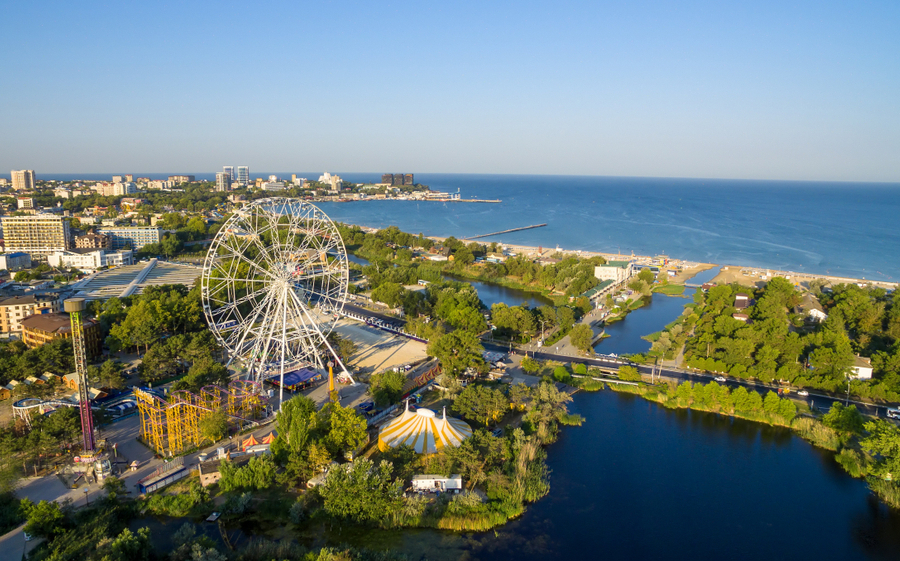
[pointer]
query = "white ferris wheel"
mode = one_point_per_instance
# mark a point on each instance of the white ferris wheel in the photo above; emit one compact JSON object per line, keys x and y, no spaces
{"x":274,"y":282}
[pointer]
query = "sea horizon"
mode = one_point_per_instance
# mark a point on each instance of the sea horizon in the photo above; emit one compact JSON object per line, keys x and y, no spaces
{"x":841,"y":229}
{"x":355,"y":175}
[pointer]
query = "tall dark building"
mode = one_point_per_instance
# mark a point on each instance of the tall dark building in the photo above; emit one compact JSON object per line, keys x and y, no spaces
{"x":395,"y":179}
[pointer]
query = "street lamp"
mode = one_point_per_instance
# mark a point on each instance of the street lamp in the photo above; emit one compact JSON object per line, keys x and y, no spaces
{"x":86,"y":501}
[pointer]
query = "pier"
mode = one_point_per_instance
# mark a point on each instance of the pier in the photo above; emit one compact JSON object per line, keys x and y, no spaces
{"x":507,"y":231}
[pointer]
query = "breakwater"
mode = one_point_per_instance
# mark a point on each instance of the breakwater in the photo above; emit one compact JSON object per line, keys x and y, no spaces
{"x":506,"y":231}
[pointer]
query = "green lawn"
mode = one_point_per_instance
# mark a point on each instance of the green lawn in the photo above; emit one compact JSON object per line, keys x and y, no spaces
{"x":669,"y":289}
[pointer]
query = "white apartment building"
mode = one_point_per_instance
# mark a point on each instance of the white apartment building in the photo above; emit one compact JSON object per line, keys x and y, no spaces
{"x":23,"y":179}
{"x":223,"y":181}
{"x":90,"y":259}
{"x":115,"y":189}
{"x":135,"y":238}
{"x":616,"y":271}
{"x":243,"y":175}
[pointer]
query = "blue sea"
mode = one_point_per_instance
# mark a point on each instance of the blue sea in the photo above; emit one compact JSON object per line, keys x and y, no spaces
{"x":842,"y":229}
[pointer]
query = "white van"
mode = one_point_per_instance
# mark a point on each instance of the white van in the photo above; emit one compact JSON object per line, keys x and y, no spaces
{"x":893,"y":413}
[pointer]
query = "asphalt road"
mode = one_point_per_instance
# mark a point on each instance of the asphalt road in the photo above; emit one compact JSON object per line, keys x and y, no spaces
{"x":819,"y":400}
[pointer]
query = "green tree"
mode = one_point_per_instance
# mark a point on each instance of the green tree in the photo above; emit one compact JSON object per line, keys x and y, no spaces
{"x":295,"y":422}
{"x":257,"y":474}
{"x":44,"y":519}
{"x":629,"y":374}
{"x":204,"y":372}
{"x":530,"y":366}
{"x":883,"y":441}
{"x":128,"y":546}
{"x":387,"y":387}
{"x":581,"y":337}
{"x":110,"y":375}
{"x":457,"y":351}
{"x":214,"y":426}
{"x":561,"y":374}
{"x":346,"y":429}
{"x":361,"y":491}
{"x":481,"y":403}
{"x":846,"y":419}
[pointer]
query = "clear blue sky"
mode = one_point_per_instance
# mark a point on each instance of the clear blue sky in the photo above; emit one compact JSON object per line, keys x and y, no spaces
{"x":762,"y":89}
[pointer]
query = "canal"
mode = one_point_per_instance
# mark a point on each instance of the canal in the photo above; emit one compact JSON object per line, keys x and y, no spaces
{"x":489,"y":293}
{"x":626,"y":336}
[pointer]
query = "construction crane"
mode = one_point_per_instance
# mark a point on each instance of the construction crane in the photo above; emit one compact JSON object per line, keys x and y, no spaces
{"x":74,"y":306}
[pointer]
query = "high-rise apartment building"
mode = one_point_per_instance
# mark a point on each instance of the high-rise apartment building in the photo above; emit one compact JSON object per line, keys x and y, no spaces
{"x":135,"y":238}
{"x":397,"y":178}
{"x":23,"y":179}
{"x":230,"y":171}
{"x":223,"y":181}
{"x":40,"y":235}
{"x":243,"y":175}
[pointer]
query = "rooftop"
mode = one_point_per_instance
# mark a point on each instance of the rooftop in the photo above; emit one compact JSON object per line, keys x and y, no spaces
{"x":619,"y":264}
{"x":27,"y":299}
{"x":53,"y":323}
{"x":133,"y":279}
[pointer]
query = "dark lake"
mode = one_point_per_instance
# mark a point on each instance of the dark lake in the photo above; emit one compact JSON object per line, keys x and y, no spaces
{"x":638,"y":481}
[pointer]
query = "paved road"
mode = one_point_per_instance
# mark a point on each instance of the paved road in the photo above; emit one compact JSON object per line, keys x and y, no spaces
{"x":820,"y":400}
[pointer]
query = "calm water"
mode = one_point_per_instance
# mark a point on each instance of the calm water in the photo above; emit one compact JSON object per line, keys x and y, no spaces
{"x":638,"y":481}
{"x":817,"y":227}
{"x":490,"y":294}
{"x":626,"y":336}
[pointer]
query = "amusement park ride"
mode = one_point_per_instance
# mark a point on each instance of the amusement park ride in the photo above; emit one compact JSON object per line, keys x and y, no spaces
{"x":273,"y":285}
{"x":274,"y":281}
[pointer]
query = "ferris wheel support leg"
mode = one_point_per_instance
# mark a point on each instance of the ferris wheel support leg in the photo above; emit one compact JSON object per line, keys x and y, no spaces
{"x":324,"y":339}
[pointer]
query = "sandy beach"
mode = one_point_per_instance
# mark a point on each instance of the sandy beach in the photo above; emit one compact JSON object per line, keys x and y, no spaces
{"x":747,"y":276}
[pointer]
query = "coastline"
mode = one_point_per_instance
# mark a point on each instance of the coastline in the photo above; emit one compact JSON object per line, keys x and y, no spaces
{"x":748,"y":276}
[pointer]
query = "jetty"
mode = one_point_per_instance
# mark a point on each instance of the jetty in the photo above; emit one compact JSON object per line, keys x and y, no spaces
{"x":507,"y":231}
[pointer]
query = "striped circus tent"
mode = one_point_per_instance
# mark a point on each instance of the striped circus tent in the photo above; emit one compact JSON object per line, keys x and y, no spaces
{"x":422,"y":430}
